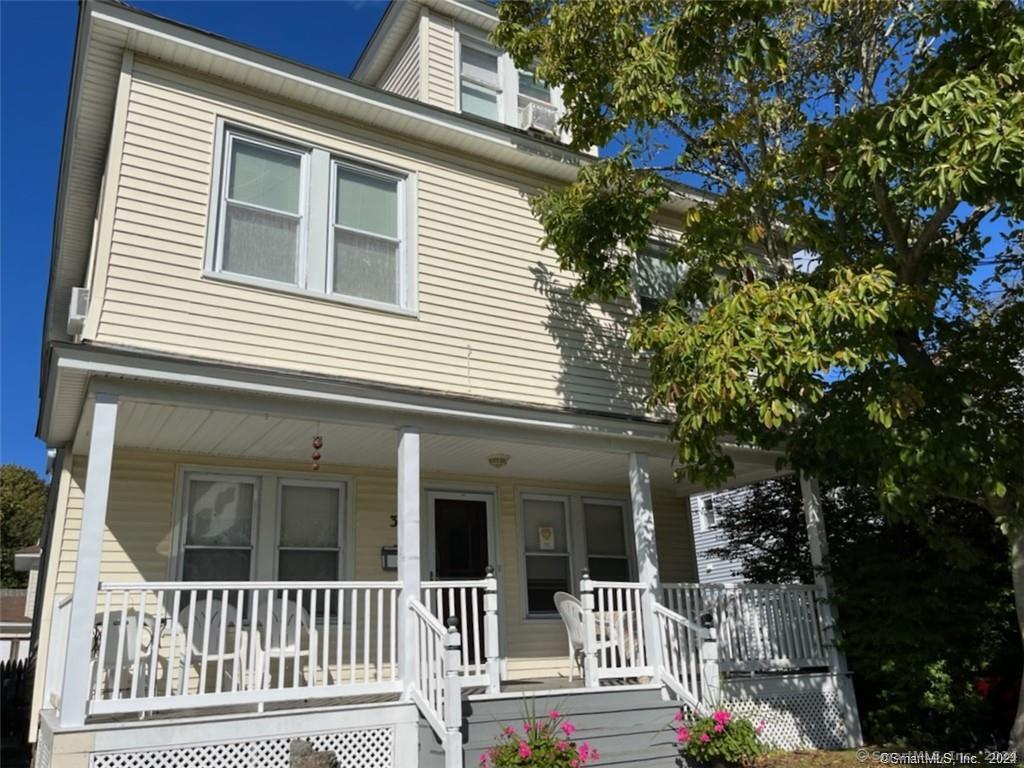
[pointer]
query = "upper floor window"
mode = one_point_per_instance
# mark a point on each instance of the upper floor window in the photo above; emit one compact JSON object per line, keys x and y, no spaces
{"x":302,"y":218}
{"x":532,"y":87}
{"x":656,"y":278}
{"x":708,"y":515}
{"x":480,"y":81}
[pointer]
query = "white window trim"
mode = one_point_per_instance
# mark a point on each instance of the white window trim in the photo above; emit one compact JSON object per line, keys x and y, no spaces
{"x":180,"y":532}
{"x":472,"y":40}
{"x":266,"y":521}
{"x":314,"y":259}
{"x":343,"y":514}
{"x":566,"y":500}
{"x":403,"y":276}
{"x":627,"y":531}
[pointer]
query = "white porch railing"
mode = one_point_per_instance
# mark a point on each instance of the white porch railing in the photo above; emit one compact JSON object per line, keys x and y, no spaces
{"x":689,"y":659}
{"x":475,"y":604}
{"x":437,"y":690}
{"x":56,"y":653}
{"x":615,"y":645}
{"x":173,"y":645}
{"x":759,"y":626}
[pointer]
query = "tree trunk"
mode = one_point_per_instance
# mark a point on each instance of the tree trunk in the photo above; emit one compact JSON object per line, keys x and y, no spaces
{"x":1016,"y":535}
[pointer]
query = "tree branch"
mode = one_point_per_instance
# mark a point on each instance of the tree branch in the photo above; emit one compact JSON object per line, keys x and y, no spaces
{"x":893,"y":225}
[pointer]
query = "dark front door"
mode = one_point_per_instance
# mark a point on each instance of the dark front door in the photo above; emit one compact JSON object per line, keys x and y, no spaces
{"x":461,"y":554}
{"x":460,"y":536}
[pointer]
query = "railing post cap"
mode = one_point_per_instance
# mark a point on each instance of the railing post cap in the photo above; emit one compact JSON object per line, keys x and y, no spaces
{"x":585,"y":573}
{"x":453,"y":624}
{"x":707,"y":620}
{"x":489,"y":572}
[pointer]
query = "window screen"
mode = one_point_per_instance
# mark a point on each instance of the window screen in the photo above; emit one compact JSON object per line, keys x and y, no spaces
{"x":310,"y":532}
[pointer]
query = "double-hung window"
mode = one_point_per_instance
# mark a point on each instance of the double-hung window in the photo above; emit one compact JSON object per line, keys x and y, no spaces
{"x":656,"y":278}
{"x":608,"y":553}
{"x":308,"y":220}
{"x":533,"y":88}
{"x":311,"y":526}
{"x":262,"y":210}
{"x":218,"y":527}
{"x":546,"y":551}
{"x":480,"y":80}
{"x":367,"y":246}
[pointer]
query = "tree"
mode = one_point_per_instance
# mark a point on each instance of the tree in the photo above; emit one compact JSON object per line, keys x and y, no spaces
{"x":22,"y":506}
{"x":853,"y":247}
{"x":928,"y":673}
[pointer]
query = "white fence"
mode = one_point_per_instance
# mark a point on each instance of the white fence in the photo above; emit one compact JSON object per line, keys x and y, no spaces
{"x":438,"y":691}
{"x":475,"y":604}
{"x":175,"y":645}
{"x":614,"y":632}
{"x":759,"y":626}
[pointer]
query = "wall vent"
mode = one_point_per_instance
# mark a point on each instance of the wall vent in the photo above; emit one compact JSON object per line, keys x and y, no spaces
{"x":77,"y":311}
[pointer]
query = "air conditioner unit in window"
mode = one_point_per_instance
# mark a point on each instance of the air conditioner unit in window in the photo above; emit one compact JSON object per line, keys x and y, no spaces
{"x":77,"y":311}
{"x":536,"y":116}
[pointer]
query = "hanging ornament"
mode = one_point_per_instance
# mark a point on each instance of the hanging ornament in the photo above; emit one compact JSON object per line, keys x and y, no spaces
{"x":318,"y":443}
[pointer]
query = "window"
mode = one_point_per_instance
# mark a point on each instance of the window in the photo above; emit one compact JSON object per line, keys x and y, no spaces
{"x":218,"y":538}
{"x":607,"y":548}
{"x":480,"y":81}
{"x":656,"y":279}
{"x":367,"y":250}
{"x":262,"y":210}
{"x":310,"y":529}
{"x":708,"y":516}
{"x":531,"y":87}
{"x":347,"y":238}
{"x":546,"y":551}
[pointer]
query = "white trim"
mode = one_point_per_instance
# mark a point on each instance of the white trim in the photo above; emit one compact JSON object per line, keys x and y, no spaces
{"x":434,"y":492}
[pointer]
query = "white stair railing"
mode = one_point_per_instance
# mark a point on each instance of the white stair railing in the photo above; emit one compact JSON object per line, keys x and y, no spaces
{"x":615,"y":646}
{"x":475,"y":604}
{"x":760,"y":626}
{"x":172,"y":645}
{"x":689,"y":657}
{"x":437,"y":690}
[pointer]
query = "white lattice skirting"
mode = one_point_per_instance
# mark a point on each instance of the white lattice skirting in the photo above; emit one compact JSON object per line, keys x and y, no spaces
{"x":799,"y":711}
{"x":369,"y":748}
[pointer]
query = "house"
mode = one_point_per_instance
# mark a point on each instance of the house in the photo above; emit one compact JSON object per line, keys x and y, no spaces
{"x":705,"y":512}
{"x":15,"y":625}
{"x":332,"y":432}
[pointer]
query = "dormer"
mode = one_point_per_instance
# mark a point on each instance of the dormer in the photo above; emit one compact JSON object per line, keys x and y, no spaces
{"x":438,"y":52}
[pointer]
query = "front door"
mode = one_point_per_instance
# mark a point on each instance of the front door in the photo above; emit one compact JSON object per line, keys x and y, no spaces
{"x":461,"y":553}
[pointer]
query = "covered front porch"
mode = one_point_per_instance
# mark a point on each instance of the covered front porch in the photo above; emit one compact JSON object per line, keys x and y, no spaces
{"x":206,"y":567}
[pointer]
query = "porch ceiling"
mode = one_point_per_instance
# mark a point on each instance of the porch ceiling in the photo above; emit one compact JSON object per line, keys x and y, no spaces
{"x":196,"y":430}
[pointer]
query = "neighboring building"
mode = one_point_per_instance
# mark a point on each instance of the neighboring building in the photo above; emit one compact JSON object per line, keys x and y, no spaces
{"x":705,"y":511}
{"x":315,"y":388}
{"x":15,"y":625}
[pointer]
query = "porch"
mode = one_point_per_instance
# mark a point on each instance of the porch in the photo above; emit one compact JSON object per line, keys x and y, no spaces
{"x":167,"y":641}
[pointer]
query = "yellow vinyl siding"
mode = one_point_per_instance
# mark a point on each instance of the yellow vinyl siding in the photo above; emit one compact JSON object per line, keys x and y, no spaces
{"x":441,"y":62}
{"x":143,"y":507}
{"x":403,"y":76}
{"x":494,"y":315}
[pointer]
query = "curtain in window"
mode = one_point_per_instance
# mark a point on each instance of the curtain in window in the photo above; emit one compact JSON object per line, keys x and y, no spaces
{"x":310,"y":533}
{"x":218,"y":530}
{"x":262,"y":212}
{"x":366,"y":236}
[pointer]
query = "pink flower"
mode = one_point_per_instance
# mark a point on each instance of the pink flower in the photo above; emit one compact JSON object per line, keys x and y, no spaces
{"x":483,"y":760}
{"x":569,"y":728}
{"x":509,"y":730}
{"x":574,"y":763}
{"x":705,"y":738}
{"x":594,"y":755}
{"x":527,"y":727}
{"x":719,"y":727}
{"x":682,"y":736}
{"x":524,"y":750}
{"x":760,"y":726}
{"x":554,"y":714}
{"x":722,"y":717}
{"x":561,"y":746}
{"x":584,"y":751}
{"x":679,"y":716}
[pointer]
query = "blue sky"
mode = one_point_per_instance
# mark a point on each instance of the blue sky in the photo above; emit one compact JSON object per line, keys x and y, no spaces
{"x":36,"y":44}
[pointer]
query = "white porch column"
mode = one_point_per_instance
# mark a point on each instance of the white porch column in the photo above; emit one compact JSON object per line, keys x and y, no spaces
{"x":646,"y":552}
{"x":75,"y":694}
{"x":810,"y":494}
{"x":408,"y":549}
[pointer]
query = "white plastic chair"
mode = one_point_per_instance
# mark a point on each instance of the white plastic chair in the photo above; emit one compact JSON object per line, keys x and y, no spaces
{"x":268,"y":641}
{"x":571,"y":611}
{"x":216,"y":608}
